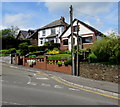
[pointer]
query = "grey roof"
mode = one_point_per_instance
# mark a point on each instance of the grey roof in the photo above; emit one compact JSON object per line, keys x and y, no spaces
{"x":25,"y":33}
{"x":54,"y":24}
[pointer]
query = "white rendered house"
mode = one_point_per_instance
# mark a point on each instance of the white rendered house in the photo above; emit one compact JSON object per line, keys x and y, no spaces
{"x":86,"y":35}
{"x":52,"y":31}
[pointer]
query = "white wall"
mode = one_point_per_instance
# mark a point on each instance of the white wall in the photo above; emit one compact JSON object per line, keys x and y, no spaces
{"x":58,"y":30}
{"x":82,"y":30}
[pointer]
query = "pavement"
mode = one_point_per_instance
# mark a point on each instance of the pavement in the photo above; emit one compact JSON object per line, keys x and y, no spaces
{"x":84,"y":83}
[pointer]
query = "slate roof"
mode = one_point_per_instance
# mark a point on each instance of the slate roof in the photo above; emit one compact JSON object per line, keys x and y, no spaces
{"x":24,"y":33}
{"x":86,"y":25}
{"x":54,"y":24}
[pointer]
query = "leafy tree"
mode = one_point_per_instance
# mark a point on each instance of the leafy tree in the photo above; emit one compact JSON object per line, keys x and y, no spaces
{"x":107,"y":49}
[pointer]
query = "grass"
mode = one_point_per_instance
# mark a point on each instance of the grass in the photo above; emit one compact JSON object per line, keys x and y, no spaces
{"x":59,"y":56}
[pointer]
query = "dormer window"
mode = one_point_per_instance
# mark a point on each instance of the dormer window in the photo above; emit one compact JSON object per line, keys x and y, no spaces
{"x":43,"y":33}
{"x":75,"y":28}
{"x":52,"y":30}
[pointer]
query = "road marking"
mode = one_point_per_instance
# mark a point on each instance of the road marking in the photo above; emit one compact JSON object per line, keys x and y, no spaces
{"x":29,"y":80}
{"x":13,"y":67}
{"x":42,"y":78}
{"x":95,"y":92}
{"x":58,"y":86}
{"x":47,"y":85}
{"x":10,"y":103}
{"x":73,"y":89}
{"x":32,"y":83}
{"x":85,"y":88}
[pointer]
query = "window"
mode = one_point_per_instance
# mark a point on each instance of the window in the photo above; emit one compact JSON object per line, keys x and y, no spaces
{"x":41,"y":41}
{"x":43,"y":33}
{"x":65,"y":42}
{"x":75,"y":28}
{"x":53,"y":31}
{"x":87,"y":39}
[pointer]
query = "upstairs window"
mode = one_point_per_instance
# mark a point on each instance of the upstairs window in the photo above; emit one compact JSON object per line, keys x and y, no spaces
{"x":65,"y":42}
{"x":75,"y":28}
{"x":87,"y":39}
{"x":43,"y":33}
{"x":52,"y":30}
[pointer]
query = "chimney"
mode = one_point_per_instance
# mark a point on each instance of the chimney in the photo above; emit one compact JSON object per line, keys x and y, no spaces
{"x":62,"y":18}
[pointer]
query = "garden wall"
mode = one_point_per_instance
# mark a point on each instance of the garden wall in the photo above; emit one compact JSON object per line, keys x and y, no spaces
{"x":93,"y":71}
{"x":43,"y":63}
{"x":100,"y":72}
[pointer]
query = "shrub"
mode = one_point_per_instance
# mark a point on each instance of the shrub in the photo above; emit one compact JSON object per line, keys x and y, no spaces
{"x":53,"y":52}
{"x":23,"y":47}
{"x":12,"y":50}
{"x":67,"y":52}
{"x":33,"y":48}
{"x":59,"y":63}
{"x":5,"y":51}
{"x":92,"y":58}
{"x":32,"y":56}
{"x":68,"y":62}
{"x":18,"y":52}
{"x":107,"y":49}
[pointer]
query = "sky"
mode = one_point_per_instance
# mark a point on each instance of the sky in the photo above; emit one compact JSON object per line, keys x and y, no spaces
{"x":32,"y":15}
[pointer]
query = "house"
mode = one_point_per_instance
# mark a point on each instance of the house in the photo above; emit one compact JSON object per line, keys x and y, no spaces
{"x":86,"y":35}
{"x":52,"y":31}
{"x":31,"y":35}
{"x":22,"y":35}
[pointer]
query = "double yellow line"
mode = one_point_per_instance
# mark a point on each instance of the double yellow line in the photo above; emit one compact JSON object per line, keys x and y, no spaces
{"x":77,"y":87}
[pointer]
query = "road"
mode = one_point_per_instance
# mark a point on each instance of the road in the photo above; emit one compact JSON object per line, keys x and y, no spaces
{"x":25,"y":86}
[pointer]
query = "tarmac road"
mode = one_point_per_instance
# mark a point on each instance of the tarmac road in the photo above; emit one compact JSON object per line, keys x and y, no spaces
{"x":26,"y":86}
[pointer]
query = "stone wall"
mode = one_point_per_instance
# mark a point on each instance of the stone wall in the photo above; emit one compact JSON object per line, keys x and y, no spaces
{"x":100,"y":72}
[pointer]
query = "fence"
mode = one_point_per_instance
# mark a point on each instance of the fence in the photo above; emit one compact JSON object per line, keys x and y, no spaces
{"x":47,"y":64}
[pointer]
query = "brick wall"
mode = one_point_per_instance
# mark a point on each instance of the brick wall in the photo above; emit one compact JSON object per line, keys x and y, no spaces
{"x":63,"y":47}
{"x":42,"y":63}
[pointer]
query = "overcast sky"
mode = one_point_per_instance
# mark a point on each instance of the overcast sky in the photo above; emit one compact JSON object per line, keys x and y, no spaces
{"x":32,"y":15}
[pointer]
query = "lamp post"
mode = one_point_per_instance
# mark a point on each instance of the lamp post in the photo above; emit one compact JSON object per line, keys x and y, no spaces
{"x":72,"y":45}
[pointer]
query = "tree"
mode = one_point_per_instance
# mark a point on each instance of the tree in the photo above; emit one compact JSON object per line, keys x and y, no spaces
{"x":13,"y":31}
{"x":107,"y":49}
{"x":5,"y":32}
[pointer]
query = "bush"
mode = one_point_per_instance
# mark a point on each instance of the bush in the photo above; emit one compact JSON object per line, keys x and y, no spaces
{"x":32,"y":56}
{"x":68,"y":62}
{"x":23,"y":47}
{"x":67,"y":52}
{"x":5,"y":51}
{"x":92,"y":58}
{"x":18,"y":52}
{"x":59,"y":63}
{"x":53,"y":52}
{"x":12,"y":50}
{"x":107,"y":49}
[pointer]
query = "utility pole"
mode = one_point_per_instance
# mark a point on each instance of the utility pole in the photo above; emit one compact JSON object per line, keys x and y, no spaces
{"x":72,"y":44}
{"x":77,"y":55}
